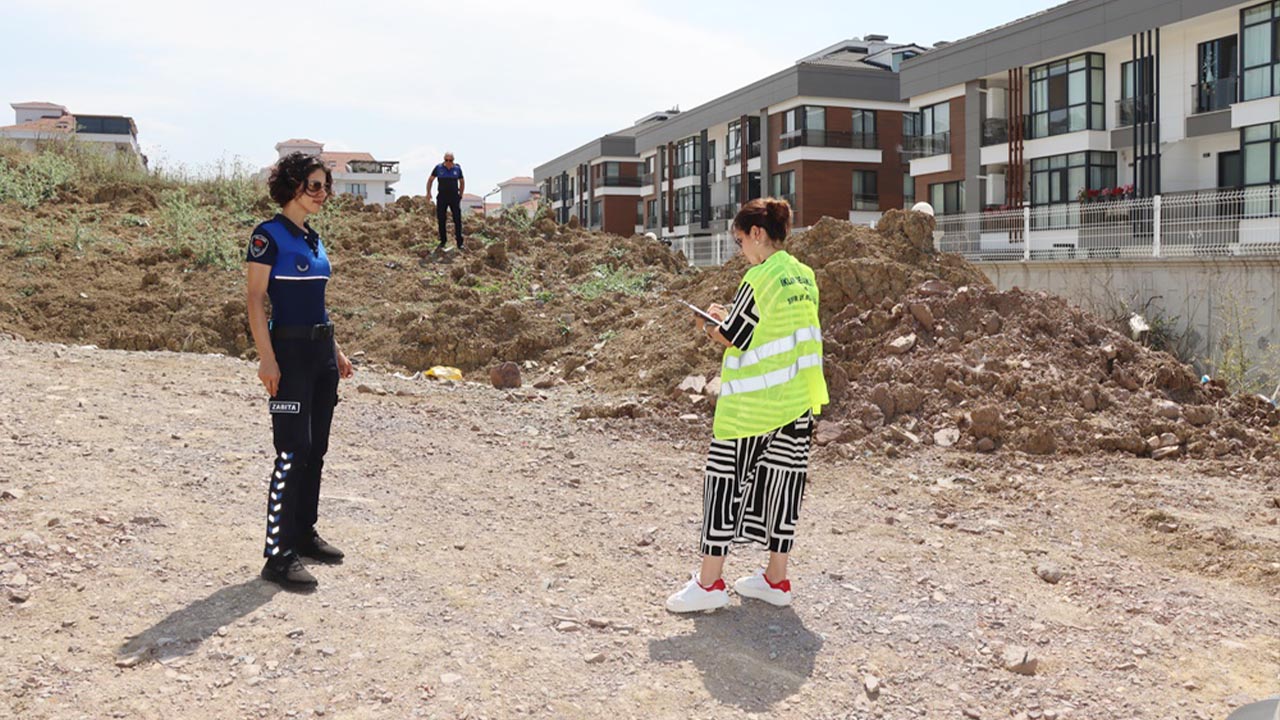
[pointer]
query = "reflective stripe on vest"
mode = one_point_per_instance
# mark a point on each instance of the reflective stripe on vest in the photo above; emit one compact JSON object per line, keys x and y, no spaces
{"x":770,"y":379}
{"x":768,"y":350}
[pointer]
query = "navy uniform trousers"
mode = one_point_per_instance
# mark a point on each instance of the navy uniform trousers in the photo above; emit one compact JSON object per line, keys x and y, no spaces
{"x":301,"y":413}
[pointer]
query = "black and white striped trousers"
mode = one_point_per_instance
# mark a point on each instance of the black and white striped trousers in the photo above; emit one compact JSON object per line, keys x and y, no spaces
{"x":753,"y":487}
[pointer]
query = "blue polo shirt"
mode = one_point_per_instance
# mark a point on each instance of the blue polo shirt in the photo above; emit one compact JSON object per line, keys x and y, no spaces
{"x":448,"y":179}
{"x":299,"y":270}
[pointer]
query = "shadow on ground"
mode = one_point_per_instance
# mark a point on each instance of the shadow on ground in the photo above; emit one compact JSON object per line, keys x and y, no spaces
{"x":183,"y":630}
{"x":751,"y":656}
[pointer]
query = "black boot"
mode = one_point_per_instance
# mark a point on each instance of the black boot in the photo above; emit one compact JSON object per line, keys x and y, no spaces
{"x":316,"y":548}
{"x":287,"y":571}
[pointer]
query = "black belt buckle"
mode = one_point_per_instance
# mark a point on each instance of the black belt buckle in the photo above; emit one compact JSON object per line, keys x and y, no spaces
{"x":322,"y":332}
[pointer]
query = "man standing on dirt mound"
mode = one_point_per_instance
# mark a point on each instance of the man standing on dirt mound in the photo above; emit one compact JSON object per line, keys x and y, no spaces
{"x":449,"y":198}
{"x":771,"y":387}
{"x":299,"y":363}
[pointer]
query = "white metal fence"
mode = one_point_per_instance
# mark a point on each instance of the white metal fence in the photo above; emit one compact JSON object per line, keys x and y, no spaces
{"x":1211,"y":223}
{"x":706,"y":250}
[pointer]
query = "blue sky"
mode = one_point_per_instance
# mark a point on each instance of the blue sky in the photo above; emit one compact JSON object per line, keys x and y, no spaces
{"x":506,"y":85}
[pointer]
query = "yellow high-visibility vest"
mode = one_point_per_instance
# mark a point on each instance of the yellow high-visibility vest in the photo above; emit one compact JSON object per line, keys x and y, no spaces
{"x":779,"y":377}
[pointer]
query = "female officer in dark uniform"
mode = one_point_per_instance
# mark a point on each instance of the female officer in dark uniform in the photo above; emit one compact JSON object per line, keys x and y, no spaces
{"x":300,"y":363}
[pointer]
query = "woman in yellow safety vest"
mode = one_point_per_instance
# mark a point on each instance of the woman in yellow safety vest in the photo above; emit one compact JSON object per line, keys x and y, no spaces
{"x":771,"y":387}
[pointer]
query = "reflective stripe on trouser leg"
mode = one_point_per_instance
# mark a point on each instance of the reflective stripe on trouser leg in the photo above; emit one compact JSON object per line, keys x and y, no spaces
{"x":279,"y":485}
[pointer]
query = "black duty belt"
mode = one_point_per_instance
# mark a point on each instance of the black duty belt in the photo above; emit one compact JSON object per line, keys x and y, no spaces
{"x":302,"y":332}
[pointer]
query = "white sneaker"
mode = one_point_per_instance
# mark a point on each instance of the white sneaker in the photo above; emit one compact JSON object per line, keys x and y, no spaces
{"x":695,"y":598}
{"x":758,"y":586}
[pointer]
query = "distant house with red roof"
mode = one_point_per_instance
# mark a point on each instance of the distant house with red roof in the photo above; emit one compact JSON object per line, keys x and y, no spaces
{"x":354,"y":173}
{"x":41,"y":122}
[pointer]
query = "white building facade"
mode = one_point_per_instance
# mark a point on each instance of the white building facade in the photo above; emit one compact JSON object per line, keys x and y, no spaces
{"x":39,"y":122}
{"x":354,"y":173}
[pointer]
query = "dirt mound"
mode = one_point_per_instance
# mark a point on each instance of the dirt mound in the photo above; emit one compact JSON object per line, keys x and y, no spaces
{"x":920,"y":348}
{"x":984,"y":370}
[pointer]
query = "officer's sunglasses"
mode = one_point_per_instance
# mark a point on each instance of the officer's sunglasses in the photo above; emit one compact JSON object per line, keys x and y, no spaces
{"x":313,"y":187}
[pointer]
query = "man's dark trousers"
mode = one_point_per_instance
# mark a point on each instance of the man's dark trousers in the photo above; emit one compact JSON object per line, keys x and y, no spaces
{"x":443,"y":205}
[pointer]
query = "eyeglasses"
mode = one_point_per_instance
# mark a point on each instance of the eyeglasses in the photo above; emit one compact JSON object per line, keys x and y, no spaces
{"x":313,"y":187}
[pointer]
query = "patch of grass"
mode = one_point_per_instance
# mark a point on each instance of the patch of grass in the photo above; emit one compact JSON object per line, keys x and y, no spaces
{"x":190,"y":229}
{"x":37,"y":179}
{"x":607,"y":335}
{"x":544,"y":296}
{"x":605,"y":280}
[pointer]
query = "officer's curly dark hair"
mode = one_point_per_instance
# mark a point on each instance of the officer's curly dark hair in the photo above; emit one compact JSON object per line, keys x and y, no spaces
{"x":290,"y":173}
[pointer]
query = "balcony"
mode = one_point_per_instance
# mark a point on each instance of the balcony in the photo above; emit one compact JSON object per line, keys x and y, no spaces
{"x":1214,"y":95}
{"x":829,"y":138}
{"x":727,"y":211}
{"x":866,"y":202}
{"x":1130,"y":111}
{"x":753,"y":150}
{"x":631,"y":181}
{"x":374,"y":167}
{"x":733,"y":157}
{"x":646,"y":179}
{"x":995,"y":131}
{"x":689,"y":217}
{"x":929,"y":145}
{"x":688,"y":169}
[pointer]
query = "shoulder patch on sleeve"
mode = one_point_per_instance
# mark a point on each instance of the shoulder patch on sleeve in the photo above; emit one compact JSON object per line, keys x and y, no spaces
{"x":258,"y":244}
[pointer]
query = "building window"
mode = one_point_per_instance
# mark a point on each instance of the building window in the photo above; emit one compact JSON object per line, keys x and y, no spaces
{"x":931,"y":130}
{"x":1069,"y":178}
{"x":688,"y":155}
{"x":864,"y":129}
{"x":733,"y":143}
{"x":784,"y":186}
{"x":1216,"y":74}
{"x":804,"y":125}
{"x":596,"y":213}
{"x":360,"y":190}
{"x":689,"y":206}
{"x":908,"y":190}
{"x":1261,"y":50}
{"x":651,"y":213}
{"x":1067,"y":96}
{"x":865,"y":195}
{"x":1134,"y":109}
{"x":711,"y":159}
{"x":947,"y":198}
{"x":1261,"y":145}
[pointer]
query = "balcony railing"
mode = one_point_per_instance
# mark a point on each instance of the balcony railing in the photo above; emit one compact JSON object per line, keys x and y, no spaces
{"x":1207,"y":223}
{"x":373,"y":167}
{"x":689,"y":217}
{"x":828,"y":138}
{"x":753,"y":149}
{"x":646,"y":179}
{"x":1130,"y":111}
{"x":995,"y":131}
{"x":1213,"y":95}
{"x":555,"y":195}
{"x":733,"y":157}
{"x":728,"y":211}
{"x":689,"y":169}
{"x":866,"y":202}
{"x":929,"y":145}
{"x":618,"y":181}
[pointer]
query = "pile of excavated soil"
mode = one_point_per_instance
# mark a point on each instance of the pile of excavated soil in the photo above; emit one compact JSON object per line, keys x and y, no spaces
{"x":920,"y":348}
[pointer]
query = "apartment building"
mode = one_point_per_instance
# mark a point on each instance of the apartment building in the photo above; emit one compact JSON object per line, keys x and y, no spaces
{"x":1099,"y":99}
{"x":37,"y":122}
{"x":825,"y":133}
{"x":354,"y":173}
{"x":599,"y":182}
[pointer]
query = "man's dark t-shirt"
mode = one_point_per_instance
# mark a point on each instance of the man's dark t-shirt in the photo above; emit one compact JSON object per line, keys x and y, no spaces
{"x":448,"y":179}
